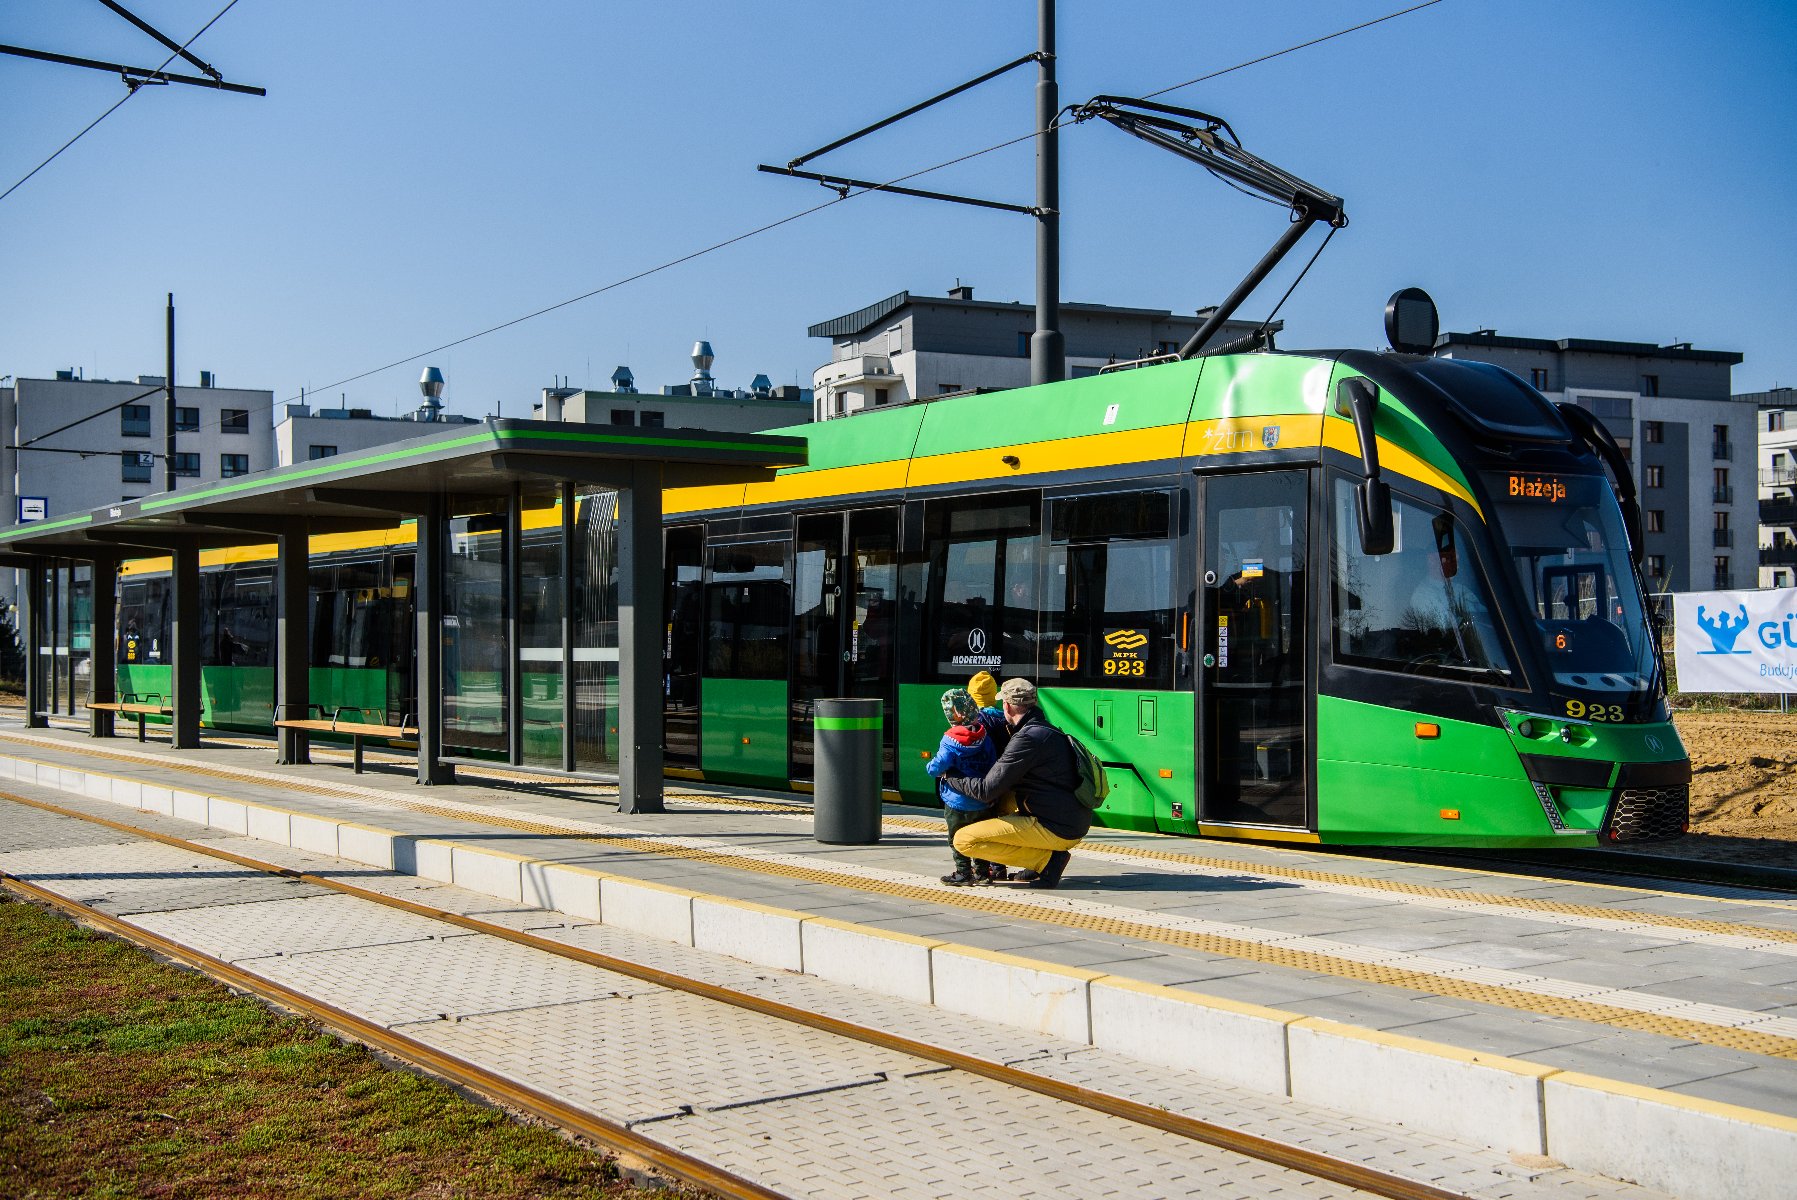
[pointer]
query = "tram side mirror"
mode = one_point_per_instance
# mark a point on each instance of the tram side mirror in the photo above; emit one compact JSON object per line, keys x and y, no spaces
{"x":1359,"y":398}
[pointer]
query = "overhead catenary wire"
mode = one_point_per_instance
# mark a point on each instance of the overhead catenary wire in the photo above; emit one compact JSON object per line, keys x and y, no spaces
{"x":132,"y":89}
{"x":1061,"y":121}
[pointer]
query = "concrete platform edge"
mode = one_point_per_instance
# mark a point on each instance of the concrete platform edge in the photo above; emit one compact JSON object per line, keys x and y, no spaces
{"x":1693,"y":1148}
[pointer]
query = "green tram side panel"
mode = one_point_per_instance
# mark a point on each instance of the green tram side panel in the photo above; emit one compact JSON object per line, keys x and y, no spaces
{"x":1380,"y":784}
{"x":1259,"y":385}
{"x":742,"y":724}
{"x":1146,"y":398}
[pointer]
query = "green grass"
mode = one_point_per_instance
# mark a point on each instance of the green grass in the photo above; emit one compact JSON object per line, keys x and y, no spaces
{"x":121,"y":1075}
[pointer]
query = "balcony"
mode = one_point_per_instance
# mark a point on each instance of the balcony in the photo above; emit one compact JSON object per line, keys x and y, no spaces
{"x":1782,"y":511}
{"x":1722,"y":451}
{"x":1784,"y":555}
{"x":846,"y":372}
{"x":1723,"y":494}
{"x":1779,"y":477}
{"x":1722,"y":538}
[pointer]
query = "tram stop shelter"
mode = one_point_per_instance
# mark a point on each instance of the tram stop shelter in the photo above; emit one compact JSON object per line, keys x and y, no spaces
{"x":502,"y":467}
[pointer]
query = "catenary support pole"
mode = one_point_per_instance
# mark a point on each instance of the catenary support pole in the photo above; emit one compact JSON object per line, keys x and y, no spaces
{"x":640,"y":622}
{"x":168,"y":406}
{"x":1048,"y":348}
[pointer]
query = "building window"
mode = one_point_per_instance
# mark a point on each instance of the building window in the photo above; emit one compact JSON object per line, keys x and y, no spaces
{"x":1616,"y":408}
{"x":1650,"y":385}
{"x":623,"y":416}
{"x":1719,"y":443}
{"x":137,"y":466}
{"x":187,"y":466}
{"x":1023,"y":345}
{"x":234,"y":420}
{"x":187,"y":420}
{"x":134,"y":420}
{"x":317,"y":452}
{"x":230,"y":465}
{"x":895,"y":340}
{"x":1781,"y":579}
{"x":1654,"y":476}
{"x":1653,"y":432}
{"x":1656,"y":567}
{"x":945,"y":388}
{"x":882,"y":395}
{"x":653,"y":420}
{"x":1775,"y":421}
{"x":1656,"y":521}
{"x":1721,"y":583}
{"x":1722,"y":493}
{"x":1538,"y":378}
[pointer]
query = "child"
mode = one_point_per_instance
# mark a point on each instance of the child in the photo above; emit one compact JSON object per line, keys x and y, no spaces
{"x":965,"y":748}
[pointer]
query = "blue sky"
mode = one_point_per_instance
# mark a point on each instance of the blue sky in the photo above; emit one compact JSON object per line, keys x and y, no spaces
{"x":422,"y":171}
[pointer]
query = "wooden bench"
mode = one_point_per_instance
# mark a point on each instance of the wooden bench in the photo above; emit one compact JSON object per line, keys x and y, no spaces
{"x":141,"y":709}
{"x":358,"y":728}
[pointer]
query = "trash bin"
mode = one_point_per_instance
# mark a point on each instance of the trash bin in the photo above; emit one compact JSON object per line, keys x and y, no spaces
{"x":846,"y":739}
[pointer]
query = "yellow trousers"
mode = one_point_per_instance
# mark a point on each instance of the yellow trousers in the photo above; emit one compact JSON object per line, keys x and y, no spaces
{"x":1016,"y":841}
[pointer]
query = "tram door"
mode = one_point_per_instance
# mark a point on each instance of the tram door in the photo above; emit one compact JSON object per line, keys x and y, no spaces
{"x":845,"y":617}
{"x":1253,"y":747}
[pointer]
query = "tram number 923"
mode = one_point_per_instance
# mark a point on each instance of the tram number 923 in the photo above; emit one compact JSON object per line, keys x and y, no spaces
{"x":1124,"y":654}
{"x":1579,"y":710}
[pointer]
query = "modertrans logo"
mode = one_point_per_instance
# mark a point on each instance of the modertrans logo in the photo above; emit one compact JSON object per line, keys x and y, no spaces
{"x":1736,"y":641}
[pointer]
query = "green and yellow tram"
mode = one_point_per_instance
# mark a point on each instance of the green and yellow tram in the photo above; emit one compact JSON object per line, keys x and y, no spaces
{"x":1340,"y":597}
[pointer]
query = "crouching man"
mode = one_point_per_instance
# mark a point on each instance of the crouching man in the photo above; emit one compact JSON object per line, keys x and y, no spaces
{"x":1038,"y":768}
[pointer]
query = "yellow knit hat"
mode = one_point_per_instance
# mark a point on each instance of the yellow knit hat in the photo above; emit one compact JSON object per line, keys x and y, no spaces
{"x":984,"y":689}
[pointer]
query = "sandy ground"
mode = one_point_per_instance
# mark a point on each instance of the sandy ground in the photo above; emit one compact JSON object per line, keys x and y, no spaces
{"x":1744,"y":786}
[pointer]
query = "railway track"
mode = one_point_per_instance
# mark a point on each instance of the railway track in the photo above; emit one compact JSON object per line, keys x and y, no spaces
{"x":696,"y":1169}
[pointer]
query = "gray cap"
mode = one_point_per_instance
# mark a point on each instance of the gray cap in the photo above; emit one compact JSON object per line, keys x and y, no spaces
{"x":1018,"y":693}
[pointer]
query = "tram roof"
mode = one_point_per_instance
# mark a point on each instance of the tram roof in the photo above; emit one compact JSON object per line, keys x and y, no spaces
{"x":469,"y":465}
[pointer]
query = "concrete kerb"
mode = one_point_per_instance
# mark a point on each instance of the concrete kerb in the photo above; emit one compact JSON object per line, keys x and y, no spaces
{"x":1698,"y":1149}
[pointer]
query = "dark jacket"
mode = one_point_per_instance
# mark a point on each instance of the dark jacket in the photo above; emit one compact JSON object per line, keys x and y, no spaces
{"x":1037,"y":764}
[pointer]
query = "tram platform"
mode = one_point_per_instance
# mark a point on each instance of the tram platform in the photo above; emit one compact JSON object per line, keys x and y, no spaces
{"x":1646,"y":1033}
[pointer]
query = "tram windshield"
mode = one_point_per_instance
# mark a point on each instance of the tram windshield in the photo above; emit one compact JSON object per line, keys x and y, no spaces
{"x":1565,"y":535}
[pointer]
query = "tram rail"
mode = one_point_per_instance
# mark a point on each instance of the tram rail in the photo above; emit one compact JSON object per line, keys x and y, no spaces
{"x":617,"y":1137}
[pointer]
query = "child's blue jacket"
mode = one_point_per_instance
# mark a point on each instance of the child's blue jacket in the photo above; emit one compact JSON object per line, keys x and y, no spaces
{"x":968,"y":751}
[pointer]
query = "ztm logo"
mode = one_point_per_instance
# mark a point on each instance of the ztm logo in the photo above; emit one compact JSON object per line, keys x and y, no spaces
{"x":1126,"y":639}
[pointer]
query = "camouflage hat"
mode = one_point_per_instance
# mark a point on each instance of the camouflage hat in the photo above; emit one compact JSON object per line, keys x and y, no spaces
{"x":959,"y":707}
{"x":1018,"y":693}
{"x":984,"y":689}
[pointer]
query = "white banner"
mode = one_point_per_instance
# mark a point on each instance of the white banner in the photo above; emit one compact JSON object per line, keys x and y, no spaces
{"x":1736,"y":641}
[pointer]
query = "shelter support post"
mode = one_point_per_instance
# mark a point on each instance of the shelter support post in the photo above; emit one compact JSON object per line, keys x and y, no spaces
{"x":293,"y":693}
{"x":640,"y":620}
{"x":31,"y":633}
{"x":185,"y":641}
{"x":103,"y":687}
{"x":428,"y":587}
{"x":511,"y":558}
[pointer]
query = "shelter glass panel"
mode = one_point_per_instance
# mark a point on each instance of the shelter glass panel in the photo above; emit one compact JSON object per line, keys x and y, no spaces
{"x":594,"y":599}
{"x":474,"y":635}
{"x":541,"y":596}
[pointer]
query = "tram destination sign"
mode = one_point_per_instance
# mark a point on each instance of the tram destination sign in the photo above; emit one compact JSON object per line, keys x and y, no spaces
{"x":1548,"y":489}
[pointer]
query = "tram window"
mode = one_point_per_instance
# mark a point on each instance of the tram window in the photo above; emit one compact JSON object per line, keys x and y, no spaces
{"x":1424,"y":608}
{"x":747,"y":601}
{"x":1107,"y":609}
{"x":982,"y":613}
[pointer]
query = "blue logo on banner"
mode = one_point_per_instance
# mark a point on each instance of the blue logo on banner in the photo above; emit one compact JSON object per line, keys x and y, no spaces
{"x":1723,"y":631}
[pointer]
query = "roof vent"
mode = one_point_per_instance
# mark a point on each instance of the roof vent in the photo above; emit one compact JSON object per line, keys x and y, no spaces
{"x":623,"y":381}
{"x":702,"y":381}
{"x":961,"y":291}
